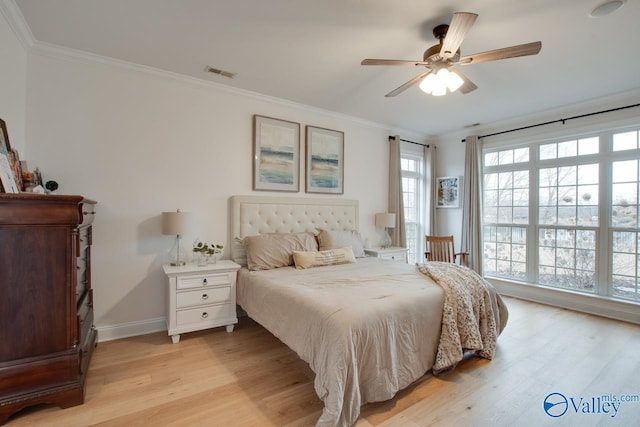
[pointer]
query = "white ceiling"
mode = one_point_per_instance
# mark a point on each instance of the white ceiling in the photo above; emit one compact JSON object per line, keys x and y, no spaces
{"x":309,"y":51}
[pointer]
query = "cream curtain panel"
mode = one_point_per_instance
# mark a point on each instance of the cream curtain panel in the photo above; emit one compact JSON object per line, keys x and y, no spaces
{"x":472,"y":204}
{"x":396,"y":203}
{"x":431,"y":193}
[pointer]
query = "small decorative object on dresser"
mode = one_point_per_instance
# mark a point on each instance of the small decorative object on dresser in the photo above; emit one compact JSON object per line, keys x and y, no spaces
{"x":46,"y":300}
{"x":201,"y":297}
{"x":393,"y":253}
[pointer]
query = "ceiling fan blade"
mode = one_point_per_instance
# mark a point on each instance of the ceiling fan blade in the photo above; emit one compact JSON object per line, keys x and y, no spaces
{"x":460,"y":24}
{"x":468,"y":85}
{"x":407,"y":85}
{"x":391,"y":62}
{"x":504,"y":53}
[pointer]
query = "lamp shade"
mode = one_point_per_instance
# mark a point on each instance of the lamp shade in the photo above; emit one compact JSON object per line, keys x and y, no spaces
{"x":387,"y":220}
{"x":175,"y":223}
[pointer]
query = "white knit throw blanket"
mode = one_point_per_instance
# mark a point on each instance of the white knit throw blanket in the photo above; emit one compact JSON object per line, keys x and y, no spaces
{"x":468,"y":318}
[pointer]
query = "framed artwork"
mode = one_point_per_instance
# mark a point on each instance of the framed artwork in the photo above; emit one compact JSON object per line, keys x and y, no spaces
{"x":448,"y":192}
{"x":276,"y":154}
{"x":325,"y":161}
{"x":5,"y":147}
{"x":9,"y":182}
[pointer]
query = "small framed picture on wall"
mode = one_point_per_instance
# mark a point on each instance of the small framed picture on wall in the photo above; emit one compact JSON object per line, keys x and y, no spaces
{"x":448,"y":188}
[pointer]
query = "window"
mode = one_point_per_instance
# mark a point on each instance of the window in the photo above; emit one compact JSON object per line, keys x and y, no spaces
{"x":506,"y":209}
{"x":412,"y":165}
{"x":564,"y":214}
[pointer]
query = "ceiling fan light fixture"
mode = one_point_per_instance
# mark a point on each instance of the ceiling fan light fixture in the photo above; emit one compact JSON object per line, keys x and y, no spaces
{"x":454,"y":81}
{"x":428,"y":83}
{"x":439,"y":90}
{"x":437,"y":83}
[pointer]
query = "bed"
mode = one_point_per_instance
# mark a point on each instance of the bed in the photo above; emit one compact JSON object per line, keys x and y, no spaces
{"x":367,"y":328}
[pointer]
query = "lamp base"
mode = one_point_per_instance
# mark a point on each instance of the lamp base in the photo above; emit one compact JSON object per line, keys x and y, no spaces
{"x":385,"y":240}
{"x":177,"y":254}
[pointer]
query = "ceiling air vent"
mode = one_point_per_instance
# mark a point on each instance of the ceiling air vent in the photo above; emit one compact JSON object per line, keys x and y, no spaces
{"x":220,"y":72}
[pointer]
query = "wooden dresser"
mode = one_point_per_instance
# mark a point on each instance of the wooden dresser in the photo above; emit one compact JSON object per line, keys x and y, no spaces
{"x":46,"y":301}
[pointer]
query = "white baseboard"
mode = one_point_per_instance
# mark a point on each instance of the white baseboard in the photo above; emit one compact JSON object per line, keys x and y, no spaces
{"x":125,"y":330}
{"x":600,"y":306}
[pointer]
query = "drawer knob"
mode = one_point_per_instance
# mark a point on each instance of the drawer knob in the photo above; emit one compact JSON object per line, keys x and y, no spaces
{"x":205,"y":315}
{"x":204,"y":281}
{"x":205,"y":296}
{"x":88,"y":213}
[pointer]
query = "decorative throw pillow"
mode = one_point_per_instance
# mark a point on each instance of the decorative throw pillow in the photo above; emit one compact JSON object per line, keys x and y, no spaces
{"x":267,"y":251}
{"x":339,"y":239}
{"x":323,"y":258}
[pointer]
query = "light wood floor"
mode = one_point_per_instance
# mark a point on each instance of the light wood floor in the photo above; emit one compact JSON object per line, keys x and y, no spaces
{"x":249,"y":378}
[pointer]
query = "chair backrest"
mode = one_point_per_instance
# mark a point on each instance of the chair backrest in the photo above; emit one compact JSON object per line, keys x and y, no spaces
{"x":439,"y":248}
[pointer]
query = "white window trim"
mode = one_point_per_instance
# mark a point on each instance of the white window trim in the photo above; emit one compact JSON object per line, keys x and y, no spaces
{"x":416,"y":152}
{"x":599,"y":303}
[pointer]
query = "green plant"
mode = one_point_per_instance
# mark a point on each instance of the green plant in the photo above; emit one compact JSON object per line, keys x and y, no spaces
{"x":206,"y":248}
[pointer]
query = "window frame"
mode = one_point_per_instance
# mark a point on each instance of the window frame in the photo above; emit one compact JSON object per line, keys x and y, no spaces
{"x":604,"y":231}
{"x":415,"y":152}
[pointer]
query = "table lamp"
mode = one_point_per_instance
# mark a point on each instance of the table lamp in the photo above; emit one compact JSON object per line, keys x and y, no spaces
{"x":385,"y":220}
{"x":176,"y":223}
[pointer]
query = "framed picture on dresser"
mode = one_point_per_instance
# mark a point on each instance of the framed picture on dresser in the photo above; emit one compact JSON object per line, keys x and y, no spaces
{"x":9,"y":183}
{"x":276,"y":154}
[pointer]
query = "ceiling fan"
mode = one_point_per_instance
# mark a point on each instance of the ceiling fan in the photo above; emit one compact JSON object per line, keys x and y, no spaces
{"x":440,"y":58}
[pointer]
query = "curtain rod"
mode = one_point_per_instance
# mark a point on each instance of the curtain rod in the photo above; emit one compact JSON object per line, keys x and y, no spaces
{"x":410,"y":142}
{"x":557,"y":121}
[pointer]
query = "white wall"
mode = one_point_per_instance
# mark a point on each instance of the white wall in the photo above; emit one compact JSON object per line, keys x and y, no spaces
{"x":13,"y":72}
{"x":141,"y":142}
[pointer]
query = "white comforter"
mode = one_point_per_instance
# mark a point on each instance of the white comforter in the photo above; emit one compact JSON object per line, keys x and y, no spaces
{"x":367,"y":329}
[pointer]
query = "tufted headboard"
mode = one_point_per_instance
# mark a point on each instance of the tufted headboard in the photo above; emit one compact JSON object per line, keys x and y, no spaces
{"x":252,"y":215}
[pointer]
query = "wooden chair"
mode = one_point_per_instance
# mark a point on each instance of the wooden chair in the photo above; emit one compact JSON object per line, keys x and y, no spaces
{"x":440,"y":248}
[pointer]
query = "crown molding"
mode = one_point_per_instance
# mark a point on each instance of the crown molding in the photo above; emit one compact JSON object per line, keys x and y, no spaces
{"x":16,"y":21}
{"x":18,"y":24}
{"x":61,"y":52}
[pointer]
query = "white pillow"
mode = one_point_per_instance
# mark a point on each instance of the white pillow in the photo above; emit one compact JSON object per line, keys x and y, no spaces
{"x":339,"y":239}
{"x":323,"y":258}
{"x":239,"y":253}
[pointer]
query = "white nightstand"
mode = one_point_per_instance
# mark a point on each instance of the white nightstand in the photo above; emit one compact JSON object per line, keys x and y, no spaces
{"x":201,"y":297}
{"x":393,"y":253}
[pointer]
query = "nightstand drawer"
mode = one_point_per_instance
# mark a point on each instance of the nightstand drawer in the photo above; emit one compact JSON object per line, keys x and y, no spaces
{"x":394,"y":257}
{"x":204,"y":314}
{"x":392,"y":253}
{"x":203,"y":280}
{"x":203,"y":296}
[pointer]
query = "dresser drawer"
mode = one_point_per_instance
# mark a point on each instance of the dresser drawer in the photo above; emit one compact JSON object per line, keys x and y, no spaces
{"x":188,"y":282}
{"x":203,"y":296}
{"x":205,"y":314}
